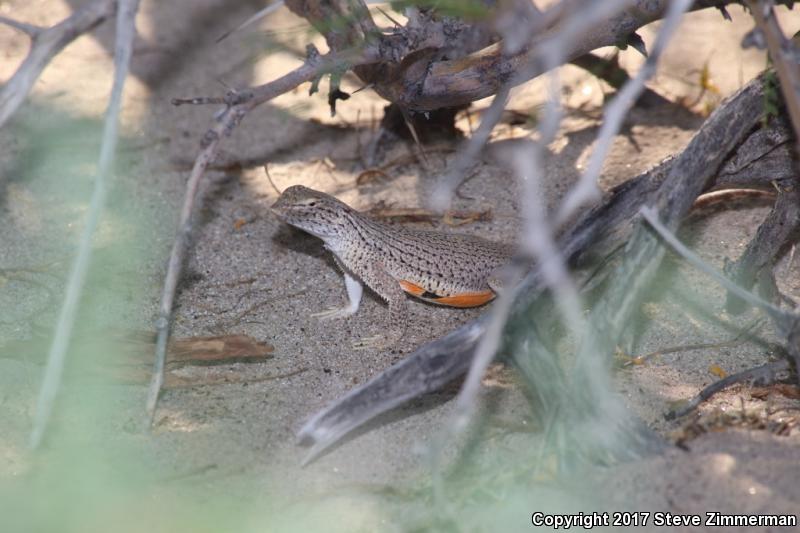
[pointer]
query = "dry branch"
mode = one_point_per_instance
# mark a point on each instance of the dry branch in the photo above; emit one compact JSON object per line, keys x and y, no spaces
{"x":601,"y":229}
{"x":760,"y":375}
{"x":550,"y":50}
{"x":538,"y":235}
{"x":46,"y":43}
{"x":134,"y":351}
{"x":483,"y":73}
{"x":440,"y":75}
{"x":689,"y":175}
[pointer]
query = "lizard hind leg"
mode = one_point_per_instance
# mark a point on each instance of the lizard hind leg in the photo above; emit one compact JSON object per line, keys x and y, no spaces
{"x":505,"y":278}
{"x":378,"y":279}
{"x":354,"y":291}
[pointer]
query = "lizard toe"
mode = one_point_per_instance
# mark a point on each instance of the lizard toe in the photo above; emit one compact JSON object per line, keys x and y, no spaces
{"x":376,"y":341}
{"x":333,"y":313}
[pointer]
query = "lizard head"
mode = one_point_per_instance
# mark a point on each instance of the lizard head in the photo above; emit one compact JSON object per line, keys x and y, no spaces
{"x":318,"y":213}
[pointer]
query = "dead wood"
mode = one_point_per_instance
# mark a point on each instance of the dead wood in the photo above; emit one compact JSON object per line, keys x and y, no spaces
{"x":216,"y":349}
{"x":133,"y":350}
{"x":133,"y":347}
{"x":192,"y":351}
{"x":761,"y":375}
{"x":672,"y":185}
{"x":46,"y":43}
{"x":438,"y":61}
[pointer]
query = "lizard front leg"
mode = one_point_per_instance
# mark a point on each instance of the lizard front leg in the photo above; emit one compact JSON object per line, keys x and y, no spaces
{"x":379,"y":280}
{"x":354,"y":291}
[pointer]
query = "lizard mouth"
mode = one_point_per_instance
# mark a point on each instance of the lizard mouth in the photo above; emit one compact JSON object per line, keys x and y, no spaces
{"x":280,"y":210}
{"x":289,"y":215}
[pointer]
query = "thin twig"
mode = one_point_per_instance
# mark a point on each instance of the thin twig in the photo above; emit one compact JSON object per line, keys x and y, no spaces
{"x":30,"y":30}
{"x":640,"y":359}
{"x":240,"y":104}
{"x":253,"y":19}
{"x":200,"y":100}
{"x":445,"y":188}
{"x":737,"y":340}
{"x":730,"y":195}
{"x":759,"y":374}
{"x":613,"y":74}
{"x":269,"y":179}
{"x":391,"y":19}
{"x":47,"y":43}
{"x":126,"y":16}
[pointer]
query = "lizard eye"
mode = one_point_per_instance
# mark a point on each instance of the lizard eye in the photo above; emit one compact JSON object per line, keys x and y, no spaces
{"x":312,"y":204}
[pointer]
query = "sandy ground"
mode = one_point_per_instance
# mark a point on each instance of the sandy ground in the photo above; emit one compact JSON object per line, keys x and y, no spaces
{"x":247,"y":273}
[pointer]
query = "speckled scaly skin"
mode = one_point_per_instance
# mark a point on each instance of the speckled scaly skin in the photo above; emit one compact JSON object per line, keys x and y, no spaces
{"x":443,"y":268}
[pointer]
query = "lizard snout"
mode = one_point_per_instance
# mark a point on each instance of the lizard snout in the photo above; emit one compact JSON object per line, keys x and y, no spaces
{"x":279,"y":208}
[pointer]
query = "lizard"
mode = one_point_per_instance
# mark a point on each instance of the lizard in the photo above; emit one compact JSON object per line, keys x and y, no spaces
{"x":450,"y":269}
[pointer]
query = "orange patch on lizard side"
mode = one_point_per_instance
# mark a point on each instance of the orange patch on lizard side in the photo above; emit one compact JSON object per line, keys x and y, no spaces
{"x":467,"y":299}
{"x":412,"y":288}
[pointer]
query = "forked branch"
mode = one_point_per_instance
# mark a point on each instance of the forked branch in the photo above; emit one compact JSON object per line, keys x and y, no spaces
{"x":46,"y":43}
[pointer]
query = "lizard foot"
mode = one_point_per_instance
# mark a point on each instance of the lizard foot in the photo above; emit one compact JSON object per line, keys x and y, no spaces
{"x":376,"y":341}
{"x":333,"y":313}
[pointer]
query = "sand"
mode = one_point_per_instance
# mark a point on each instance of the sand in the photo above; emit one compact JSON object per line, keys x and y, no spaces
{"x":228,"y":450}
